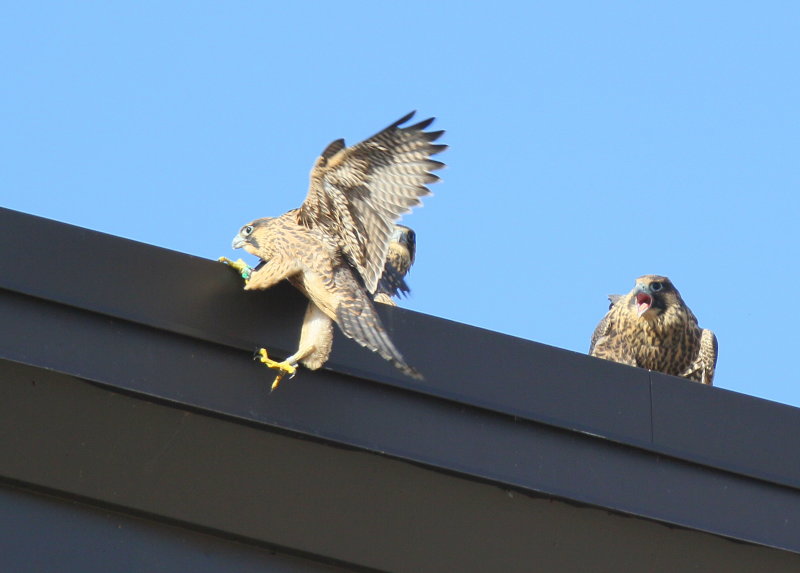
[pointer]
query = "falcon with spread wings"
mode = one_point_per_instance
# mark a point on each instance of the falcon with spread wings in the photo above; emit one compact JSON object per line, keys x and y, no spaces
{"x":334,"y":247}
{"x":651,"y":327}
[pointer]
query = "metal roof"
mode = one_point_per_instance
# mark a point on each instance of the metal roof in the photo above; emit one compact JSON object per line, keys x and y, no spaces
{"x":128,"y":388}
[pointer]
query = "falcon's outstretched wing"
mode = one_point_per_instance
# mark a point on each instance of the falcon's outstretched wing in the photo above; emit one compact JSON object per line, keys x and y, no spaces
{"x":357,"y":193}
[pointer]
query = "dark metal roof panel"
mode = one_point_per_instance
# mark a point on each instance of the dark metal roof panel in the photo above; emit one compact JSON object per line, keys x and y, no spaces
{"x":322,"y":502}
{"x":44,"y":533}
{"x":162,"y":326}
{"x":203,"y":299}
{"x":479,"y":443}
{"x":726,"y":429}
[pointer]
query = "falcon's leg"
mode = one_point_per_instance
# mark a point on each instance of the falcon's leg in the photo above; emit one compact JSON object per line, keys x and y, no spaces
{"x":316,"y":339}
{"x":271,"y":272}
{"x":283,"y":368}
{"x":239,"y":266}
{"x":265,"y":275}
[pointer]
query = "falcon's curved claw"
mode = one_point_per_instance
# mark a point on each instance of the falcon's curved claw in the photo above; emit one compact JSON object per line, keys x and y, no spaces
{"x":283,"y":368}
{"x":238,"y":265}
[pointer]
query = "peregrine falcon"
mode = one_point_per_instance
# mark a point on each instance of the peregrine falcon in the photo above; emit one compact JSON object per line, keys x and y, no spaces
{"x":651,"y":327}
{"x":399,"y":258}
{"x":334,"y":247}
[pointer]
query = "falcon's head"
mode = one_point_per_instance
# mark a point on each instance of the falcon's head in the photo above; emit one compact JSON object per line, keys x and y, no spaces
{"x":248,"y":236}
{"x":407,"y":238}
{"x":652,"y":295}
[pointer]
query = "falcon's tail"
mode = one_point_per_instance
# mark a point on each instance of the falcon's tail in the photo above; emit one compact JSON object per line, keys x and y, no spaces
{"x":358,"y":320}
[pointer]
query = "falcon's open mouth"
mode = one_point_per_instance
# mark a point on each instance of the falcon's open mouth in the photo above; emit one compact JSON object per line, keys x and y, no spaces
{"x":643,"y":303}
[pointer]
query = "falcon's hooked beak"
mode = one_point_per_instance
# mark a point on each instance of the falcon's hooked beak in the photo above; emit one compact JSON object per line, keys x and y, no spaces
{"x":238,"y":242}
{"x":643,"y":296}
{"x":643,"y":303}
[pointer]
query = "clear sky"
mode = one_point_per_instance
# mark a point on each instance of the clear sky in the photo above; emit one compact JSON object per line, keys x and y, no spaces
{"x":590,"y":143}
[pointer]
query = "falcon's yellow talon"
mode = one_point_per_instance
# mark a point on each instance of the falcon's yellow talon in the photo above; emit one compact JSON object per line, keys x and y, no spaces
{"x":238,"y":265}
{"x":283,"y":368}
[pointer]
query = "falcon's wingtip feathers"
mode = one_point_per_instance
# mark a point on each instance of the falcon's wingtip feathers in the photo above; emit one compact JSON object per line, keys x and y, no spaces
{"x":410,"y":371}
{"x":419,"y":126}
{"x":422,"y":125}
{"x":404,"y":119}
{"x":433,"y":136}
{"x":333,"y":148}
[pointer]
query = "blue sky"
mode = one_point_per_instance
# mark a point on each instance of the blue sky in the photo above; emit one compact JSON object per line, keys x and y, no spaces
{"x":590,"y":143}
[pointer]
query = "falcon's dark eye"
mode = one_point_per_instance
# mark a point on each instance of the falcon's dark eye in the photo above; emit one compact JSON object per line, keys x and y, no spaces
{"x":248,"y":229}
{"x":656,"y":286}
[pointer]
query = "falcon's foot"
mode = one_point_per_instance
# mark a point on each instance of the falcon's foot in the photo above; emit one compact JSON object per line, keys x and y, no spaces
{"x":283,"y":368}
{"x":239,"y":266}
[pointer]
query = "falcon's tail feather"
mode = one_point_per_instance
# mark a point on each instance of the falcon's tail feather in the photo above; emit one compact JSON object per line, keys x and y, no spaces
{"x":358,"y":320}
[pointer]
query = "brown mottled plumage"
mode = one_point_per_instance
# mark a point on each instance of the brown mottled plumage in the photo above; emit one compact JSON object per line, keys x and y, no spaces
{"x":651,"y":327}
{"x":333,"y":248}
{"x":399,"y":258}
